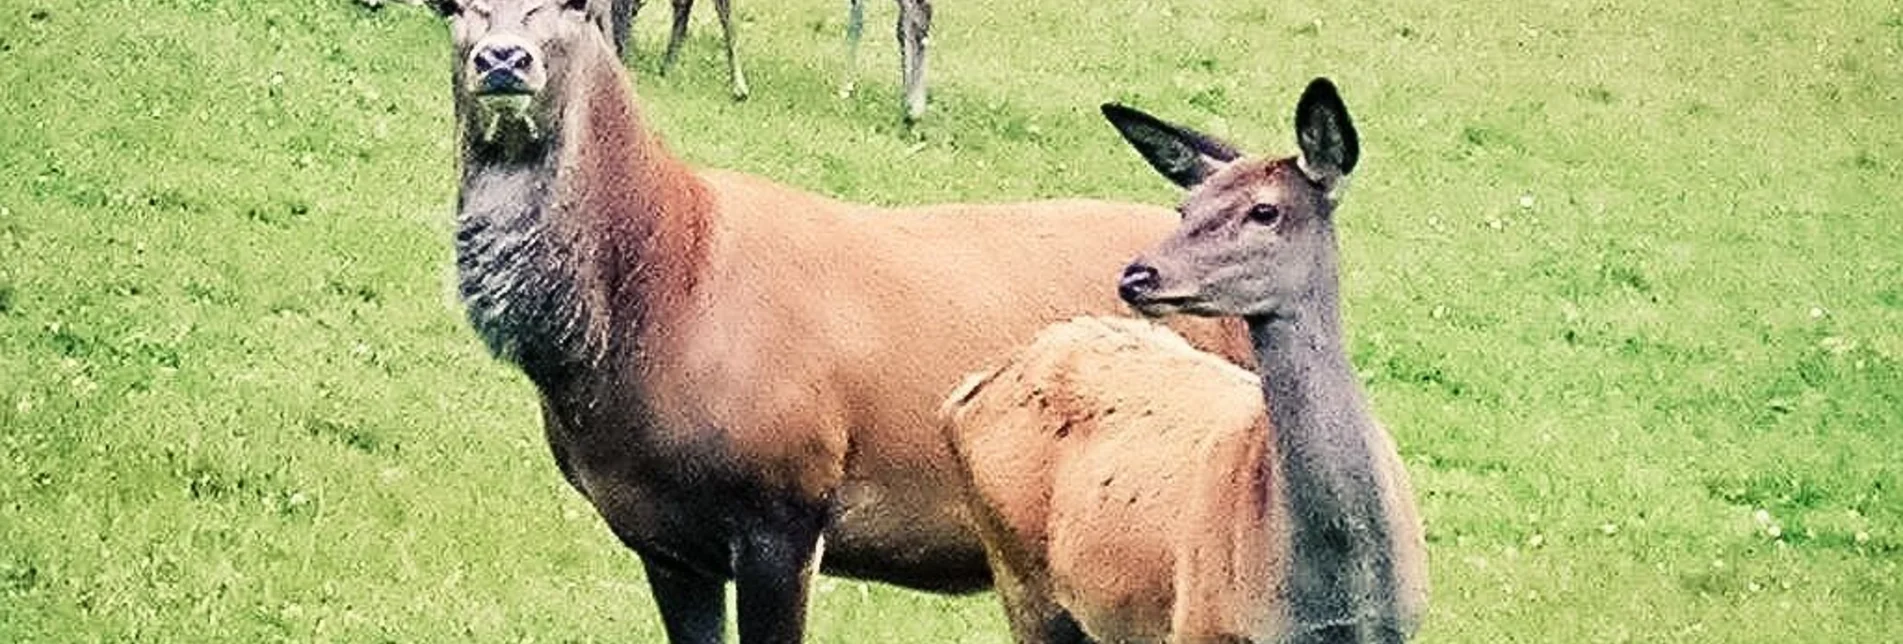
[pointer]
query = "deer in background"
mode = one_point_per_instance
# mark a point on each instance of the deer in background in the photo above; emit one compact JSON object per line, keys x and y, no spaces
{"x":616,"y":18}
{"x":734,"y":372}
{"x":1132,"y":489}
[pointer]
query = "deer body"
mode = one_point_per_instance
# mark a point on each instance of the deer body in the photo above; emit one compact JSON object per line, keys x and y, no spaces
{"x":1131,"y":489}
{"x":728,"y":367}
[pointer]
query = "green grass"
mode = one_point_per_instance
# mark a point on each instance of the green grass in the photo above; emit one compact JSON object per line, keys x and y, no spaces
{"x":1622,"y":278}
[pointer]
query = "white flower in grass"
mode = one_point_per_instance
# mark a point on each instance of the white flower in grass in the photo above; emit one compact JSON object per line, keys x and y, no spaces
{"x":1769,"y":523}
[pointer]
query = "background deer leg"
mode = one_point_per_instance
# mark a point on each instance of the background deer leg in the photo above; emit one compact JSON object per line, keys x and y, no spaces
{"x":915,"y":25}
{"x":734,"y":76}
{"x":682,"y":8}
{"x":622,"y":24}
{"x":855,"y":26}
{"x":693,"y":606}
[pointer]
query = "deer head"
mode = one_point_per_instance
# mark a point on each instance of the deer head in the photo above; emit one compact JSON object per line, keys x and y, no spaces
{"x":512,"y":57}
{"x":1255,"y":230}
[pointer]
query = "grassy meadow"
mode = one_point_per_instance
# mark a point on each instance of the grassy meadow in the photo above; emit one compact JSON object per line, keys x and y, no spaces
{"x":1623,"y":279}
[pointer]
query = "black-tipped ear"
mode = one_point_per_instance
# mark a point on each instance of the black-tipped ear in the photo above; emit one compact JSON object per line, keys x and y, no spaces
{"x":1181,"y":154}
{"x":447,"y":8}
{"x":1330,"y":146}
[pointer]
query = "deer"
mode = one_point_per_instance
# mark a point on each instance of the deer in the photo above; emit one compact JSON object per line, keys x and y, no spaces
{"x":1130,"y":488}
{"x":740,"y":376}
{"x":616,"y":18}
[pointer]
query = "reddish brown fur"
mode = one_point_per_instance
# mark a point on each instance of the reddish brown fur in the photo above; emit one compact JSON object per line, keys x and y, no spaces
{"x":795,"y":379}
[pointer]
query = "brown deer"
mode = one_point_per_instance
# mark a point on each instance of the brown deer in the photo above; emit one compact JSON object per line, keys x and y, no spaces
{"x":616,"y":18}
{"x":729,"y":368}
{"x":1132,"y":489}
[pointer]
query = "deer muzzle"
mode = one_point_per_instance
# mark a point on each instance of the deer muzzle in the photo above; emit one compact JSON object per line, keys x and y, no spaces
{"x":505,"y":64}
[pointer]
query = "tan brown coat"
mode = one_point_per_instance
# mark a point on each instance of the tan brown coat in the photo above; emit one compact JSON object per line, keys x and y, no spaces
{"x":1121,"y":475}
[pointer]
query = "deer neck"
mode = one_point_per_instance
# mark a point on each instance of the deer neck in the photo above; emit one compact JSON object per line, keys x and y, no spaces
{"x":570,"y":247}
{"x":1342,"y":575}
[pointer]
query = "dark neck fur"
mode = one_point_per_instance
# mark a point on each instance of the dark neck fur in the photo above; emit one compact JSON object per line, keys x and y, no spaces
{"x":563,"y":251}
{"x":1342,"y":552}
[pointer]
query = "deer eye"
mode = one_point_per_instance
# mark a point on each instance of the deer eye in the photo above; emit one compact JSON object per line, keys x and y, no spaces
{"x":1263,"y":213}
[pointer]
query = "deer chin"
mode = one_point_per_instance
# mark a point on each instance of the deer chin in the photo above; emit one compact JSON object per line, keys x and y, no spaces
{"x":1157,"y":306}
{"x":503,"y":116}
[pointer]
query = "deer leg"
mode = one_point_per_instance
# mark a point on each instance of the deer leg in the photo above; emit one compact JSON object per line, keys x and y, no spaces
{"x":682,"y":8}
{"x":1033,"y":612}
{"x":855,"y":25}
{"x":915,"y":25}
{"x":693,"y":605}
{"x":622,"y":24}
{"x":734,"y":76}
{"x":773,"y":570}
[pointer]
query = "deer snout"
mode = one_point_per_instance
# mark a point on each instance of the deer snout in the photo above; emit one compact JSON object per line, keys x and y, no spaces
{"x":1138,"y":282}
{"x":505,"y":64}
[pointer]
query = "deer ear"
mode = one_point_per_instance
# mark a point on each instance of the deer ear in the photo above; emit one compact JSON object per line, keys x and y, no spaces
{"x":1330,"y":146}
{"x":1183,"y":155}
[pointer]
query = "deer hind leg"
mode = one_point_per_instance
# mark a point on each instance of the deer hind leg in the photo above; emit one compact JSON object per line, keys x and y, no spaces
{"x":682,"y":9}
{"x":774,"y":562}
{"x":734,"y":75}
{"x":693,"y":605}
{"x":1023,"y":582}
{"x":1033,"y":612}
{"x":855,"y":26}
{"x":915,"y":26}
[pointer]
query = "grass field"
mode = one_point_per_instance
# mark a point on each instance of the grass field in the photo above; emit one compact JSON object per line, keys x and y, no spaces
{"x":1623,"y":278}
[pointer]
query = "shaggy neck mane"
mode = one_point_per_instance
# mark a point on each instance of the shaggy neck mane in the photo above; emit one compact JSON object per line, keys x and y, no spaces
{"x":1325,"y":441}
{"x":570,"y":248}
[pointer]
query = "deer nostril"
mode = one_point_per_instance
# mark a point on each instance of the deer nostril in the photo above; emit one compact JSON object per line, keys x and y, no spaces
{"x":1138,"y":280}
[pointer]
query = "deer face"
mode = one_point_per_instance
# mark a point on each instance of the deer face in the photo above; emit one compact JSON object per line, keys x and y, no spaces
{"x":507,"y":53}
{"x":1254,"y":230}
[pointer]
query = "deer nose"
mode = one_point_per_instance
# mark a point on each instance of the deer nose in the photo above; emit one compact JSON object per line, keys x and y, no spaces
{"x":494,"y":56}
{"x":1138,"y":281}
{"x":504,"y":65}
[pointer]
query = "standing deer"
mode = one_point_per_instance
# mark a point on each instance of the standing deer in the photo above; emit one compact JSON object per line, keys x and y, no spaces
{"x":616,"y":17}
{"x":1132,"y":489}
{"x":730,"y":368}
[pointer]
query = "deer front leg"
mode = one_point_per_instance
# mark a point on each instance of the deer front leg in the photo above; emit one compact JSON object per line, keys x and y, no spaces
{"x":774,"y":562}
{"x":693,"y":605}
